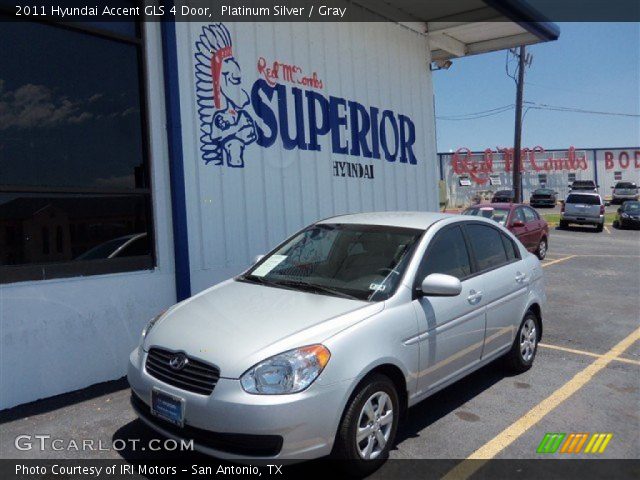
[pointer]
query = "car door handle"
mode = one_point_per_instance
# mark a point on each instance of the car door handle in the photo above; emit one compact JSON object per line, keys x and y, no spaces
{"x":521,"y":277}
{"x":474,"y":297}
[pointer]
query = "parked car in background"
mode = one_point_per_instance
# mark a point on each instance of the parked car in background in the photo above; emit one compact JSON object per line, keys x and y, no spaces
{"x":628,"y":215}
{"x":583,"y":208}
{"x":126,"y":246}
{"x":323,"y":344}
{"x":523,"y":221}
{"x":624,"y":191}
{"x":583,"y":185}
{"x":503,"y":196}
{"x":543,"y":197}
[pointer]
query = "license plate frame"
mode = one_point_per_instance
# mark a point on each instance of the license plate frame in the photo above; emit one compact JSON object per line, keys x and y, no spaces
{"x":168,"y":407}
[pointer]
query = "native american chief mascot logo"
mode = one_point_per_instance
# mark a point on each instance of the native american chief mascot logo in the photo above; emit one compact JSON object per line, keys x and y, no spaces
{"x":226,"y":128}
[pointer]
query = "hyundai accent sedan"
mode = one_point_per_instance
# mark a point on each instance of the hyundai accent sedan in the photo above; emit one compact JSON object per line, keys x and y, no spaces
{"x":323,"y":344}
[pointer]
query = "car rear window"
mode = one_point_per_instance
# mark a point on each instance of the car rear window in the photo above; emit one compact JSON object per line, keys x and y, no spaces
{"x":625,"y":185}
{"x":586,"y":199}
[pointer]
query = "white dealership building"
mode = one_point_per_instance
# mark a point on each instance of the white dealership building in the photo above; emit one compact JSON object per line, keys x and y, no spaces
{"x":144,"y":162}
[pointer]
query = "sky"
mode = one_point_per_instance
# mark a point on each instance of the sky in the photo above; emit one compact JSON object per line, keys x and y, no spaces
{"x":592,"y":66}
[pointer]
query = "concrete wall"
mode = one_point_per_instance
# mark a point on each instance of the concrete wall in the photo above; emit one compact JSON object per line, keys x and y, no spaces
{"x":254,"y":191}
{"x":65,"y":334}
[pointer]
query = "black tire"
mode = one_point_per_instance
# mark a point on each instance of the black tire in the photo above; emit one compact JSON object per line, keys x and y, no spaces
{"x":616,"y":224}
{"x":542,"y":252}
{"x":563,"y":224}
{"x":345,"y":448}
{"x":514,"y":360}
{"x":599,"y":227}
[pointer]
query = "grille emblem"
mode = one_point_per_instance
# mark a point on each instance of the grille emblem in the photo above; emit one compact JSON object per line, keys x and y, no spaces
{"x":178,"y":361}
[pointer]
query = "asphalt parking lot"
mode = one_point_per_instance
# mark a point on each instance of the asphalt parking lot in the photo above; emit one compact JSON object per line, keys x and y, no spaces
{"x":586,"y":377}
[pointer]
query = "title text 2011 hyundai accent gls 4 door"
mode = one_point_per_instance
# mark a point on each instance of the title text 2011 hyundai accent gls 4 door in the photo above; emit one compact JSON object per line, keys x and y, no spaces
{"x":320,"y":346}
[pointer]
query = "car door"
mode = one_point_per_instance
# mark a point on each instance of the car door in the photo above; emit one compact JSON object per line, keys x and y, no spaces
{"x":451,"y":328}
{"x":500,"y":271}
{"x":520,"y":231}
{"x":533,"y":227}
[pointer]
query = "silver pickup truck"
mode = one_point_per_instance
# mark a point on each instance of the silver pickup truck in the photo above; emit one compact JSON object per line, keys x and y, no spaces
{"x":584,"y":208}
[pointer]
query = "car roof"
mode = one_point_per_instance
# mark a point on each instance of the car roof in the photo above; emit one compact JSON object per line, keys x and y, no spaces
{"x":503,"y":205}
{"x":417,"y":220}
{"x":595,"y":194}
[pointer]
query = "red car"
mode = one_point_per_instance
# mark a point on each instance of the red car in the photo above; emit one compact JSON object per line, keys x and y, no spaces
{"x":522,"y":220}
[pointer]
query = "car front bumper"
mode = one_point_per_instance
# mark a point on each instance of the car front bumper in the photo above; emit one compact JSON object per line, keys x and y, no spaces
{"x":542,"y":201}
{"x":232,"y":424}
{"x":623,"y":198}
{"x":583,"y":220}
{"x":633,"y":222}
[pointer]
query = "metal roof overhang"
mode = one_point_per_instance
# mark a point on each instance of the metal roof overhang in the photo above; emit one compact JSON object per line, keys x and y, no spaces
{"x":459,"y":28}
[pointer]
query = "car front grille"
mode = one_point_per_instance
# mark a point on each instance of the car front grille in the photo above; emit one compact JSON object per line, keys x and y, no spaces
{"x":195,"y":376}
{"x":542,"y":197}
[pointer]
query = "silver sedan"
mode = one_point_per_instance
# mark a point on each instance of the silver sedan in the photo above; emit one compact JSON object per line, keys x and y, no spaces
{"x":320,"y":346}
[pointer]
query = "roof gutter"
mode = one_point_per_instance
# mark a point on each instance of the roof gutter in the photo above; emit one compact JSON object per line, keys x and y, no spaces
{"x":527,"y":17}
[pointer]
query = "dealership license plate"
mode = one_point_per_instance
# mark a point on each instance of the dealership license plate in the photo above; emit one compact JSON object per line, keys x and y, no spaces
{"x":168,"y":407}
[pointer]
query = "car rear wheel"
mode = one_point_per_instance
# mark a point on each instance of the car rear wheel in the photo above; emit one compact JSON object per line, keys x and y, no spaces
{"x":541,"y":251}
{"x":525,"y":345}
{"x":368,"y":427}
{"x":599,"y":227}
{"x":564,"y":224}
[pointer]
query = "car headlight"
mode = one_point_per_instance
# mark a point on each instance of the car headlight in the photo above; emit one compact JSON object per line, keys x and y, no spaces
{"x":625,"y":215}
{"x":288,"y":372}
{"x":149,"y":326}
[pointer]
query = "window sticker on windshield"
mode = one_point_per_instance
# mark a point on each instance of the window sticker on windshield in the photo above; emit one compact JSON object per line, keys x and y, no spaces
{"x":270,"y":263}
{"x":377,"y":287}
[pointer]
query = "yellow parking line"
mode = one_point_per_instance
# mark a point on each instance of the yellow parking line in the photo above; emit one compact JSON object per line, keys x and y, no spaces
{"x":468,"y":467}
{"x":588,"y":354}
{"x":553,"y":262}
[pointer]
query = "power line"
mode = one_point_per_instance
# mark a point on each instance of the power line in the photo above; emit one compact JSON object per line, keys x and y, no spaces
{"x":479,"y":114}
{"x":557,"y":108}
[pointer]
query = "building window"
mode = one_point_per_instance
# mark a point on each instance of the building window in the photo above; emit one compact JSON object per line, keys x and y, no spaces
{"x":617,"y":176}
{"x":494,"y":179}
{"x":74,"y":189}
{"x":464,"y":180}
{"x":572,"y":177}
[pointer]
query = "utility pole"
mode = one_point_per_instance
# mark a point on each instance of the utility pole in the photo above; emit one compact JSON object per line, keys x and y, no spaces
{"x":517,"y":142}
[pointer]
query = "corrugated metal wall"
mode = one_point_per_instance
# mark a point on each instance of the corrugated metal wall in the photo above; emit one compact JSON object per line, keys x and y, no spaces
{"x":236,"y":213}
{"x":490,"y":171}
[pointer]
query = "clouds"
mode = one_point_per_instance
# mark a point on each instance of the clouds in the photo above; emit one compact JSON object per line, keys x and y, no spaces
{"x":38,"y":106}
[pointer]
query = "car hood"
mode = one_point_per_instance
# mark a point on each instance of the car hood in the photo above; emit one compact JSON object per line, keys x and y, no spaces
{"x":235,"y":325}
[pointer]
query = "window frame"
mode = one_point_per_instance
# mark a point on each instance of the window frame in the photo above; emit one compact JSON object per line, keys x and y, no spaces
{"x":69,"y":269}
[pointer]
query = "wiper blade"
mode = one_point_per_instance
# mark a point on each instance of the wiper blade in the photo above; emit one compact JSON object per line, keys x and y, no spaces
{"x":312,"y":287}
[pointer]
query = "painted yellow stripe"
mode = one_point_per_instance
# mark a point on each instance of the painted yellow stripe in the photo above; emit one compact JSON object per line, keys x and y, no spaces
{"x":606,"y":442}
{"x":581,"y":443}
{"x":596,"y":446}
{"x":591,"y":442}
{"x":553,"y":262}
{"x":588,"y":354}
{"x":468,"y":467}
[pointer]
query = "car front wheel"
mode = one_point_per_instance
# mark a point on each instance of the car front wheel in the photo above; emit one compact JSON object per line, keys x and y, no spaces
{"x":368,"y":427}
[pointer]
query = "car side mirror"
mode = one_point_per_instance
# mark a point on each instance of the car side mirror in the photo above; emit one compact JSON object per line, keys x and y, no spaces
{"x":441,"y":285}
{"x":517,"y":223}
{"x":257,"y":258}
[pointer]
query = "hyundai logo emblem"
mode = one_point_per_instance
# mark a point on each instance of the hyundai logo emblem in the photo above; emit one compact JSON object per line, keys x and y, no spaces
{"x":178,"y":361}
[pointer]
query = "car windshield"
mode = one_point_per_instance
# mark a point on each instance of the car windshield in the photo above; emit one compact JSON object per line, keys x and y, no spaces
{"x":497,"y":214}
{"x":625,"y":185}
{"x":363,"y":262}
{"x":586,"y":199}
{"x":631,"y":207}
{"x":543,"y":191}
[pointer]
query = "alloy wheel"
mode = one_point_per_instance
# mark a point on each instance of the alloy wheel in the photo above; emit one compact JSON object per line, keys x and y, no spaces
{"x":528,"y":340}
{"x":375,"y":424}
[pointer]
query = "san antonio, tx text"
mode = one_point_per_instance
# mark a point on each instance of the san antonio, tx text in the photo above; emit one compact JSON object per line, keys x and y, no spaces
{"x":127,"y":469}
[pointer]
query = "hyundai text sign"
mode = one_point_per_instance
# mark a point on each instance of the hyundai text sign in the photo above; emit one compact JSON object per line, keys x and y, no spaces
{"x":288,"y":107}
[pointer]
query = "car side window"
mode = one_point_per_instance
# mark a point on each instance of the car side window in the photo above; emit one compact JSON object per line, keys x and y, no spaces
{"x":519,"y":215}
{"x":447,"y":253}
{"x":510,"y":247}
{"x":487,"y":246}
{"x":529,"y":215}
